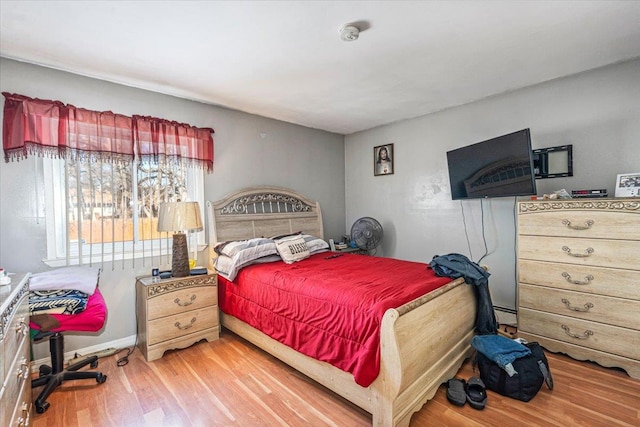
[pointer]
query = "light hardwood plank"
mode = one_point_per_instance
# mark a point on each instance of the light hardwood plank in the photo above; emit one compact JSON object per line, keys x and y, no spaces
{"x":230,"y":382}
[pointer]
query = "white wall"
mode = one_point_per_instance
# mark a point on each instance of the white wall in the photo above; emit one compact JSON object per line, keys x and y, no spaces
{"x":307,"y":160}
{"x":598,"y":112}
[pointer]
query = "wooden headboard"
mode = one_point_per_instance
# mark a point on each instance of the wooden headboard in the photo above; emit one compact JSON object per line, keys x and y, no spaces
{"x":262,"y":212}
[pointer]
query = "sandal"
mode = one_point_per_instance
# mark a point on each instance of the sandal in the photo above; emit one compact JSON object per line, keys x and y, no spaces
{"x":456,"y":391}
{"x":476,"y":393}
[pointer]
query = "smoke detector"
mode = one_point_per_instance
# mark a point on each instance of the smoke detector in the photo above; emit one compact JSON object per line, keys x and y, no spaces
{"x":349,"y":33}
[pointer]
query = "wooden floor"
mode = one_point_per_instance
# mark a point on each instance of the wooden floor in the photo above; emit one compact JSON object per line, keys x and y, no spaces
{"x":232,"y":383}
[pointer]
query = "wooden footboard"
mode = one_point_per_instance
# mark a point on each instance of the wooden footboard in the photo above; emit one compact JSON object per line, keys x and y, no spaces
{"x":423,"y":343}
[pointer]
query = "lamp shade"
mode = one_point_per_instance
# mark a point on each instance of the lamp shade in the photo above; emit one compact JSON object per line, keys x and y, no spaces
{"x":179,"y":216}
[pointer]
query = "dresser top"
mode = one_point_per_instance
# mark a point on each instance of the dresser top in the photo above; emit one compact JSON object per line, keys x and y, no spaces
{"x":603,"y":204}
{"x":9,"y":292}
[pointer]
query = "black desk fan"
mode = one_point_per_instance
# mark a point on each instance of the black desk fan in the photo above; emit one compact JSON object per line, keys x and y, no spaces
{"x":366,"y":233}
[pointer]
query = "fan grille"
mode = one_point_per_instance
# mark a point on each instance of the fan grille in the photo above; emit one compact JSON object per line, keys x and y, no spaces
{"x":366,"y":232}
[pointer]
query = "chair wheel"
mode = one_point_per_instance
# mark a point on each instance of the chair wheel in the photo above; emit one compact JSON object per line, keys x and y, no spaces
{"x":44,"y":370}
{"x":42,"y":408}
{"x":102,"y":378}
{"x":94,"y":364}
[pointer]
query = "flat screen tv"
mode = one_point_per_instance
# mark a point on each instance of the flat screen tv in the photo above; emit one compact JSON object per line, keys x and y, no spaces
{"x":497,"y":167}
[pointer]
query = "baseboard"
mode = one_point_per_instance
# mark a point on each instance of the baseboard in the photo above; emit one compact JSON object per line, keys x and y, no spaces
{"x":506,"y":317}
{"x":120,"y":343}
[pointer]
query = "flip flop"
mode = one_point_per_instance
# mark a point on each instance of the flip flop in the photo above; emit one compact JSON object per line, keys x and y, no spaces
{"x":456,"y":391}
{"x":476,"y":393}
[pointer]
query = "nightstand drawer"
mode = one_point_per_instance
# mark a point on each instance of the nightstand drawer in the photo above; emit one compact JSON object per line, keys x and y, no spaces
{"x":178,"y":325}
{"x":181,"y":301}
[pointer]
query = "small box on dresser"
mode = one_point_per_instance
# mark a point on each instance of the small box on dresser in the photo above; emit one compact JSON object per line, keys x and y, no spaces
{"x":578,"y":279}
{"x":176,"y":313}
{"x":15,"y":365}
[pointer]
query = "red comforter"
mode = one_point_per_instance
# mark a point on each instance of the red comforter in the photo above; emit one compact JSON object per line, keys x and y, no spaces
{"x":329,"y":309}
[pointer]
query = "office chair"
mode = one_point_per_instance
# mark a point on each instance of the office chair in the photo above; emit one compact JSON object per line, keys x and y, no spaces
{"x":53,"y":376}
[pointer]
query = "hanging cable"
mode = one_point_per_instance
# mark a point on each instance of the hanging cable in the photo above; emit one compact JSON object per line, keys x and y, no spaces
{"x":484,"y":237}
{"x":466,"y":233}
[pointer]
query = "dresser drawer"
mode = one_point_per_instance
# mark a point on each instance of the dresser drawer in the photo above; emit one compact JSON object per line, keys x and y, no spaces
{"x":16,"y":332}
{"x":597,"y":308}
{"x":589,"y":224}
{"x":181,"y":301}
{"x":596,"y":252}
{"x":611,"y":339}
{"x":593,"y":280}
{"x":179,"y":325}
{"x":22,"y":411}
{"x":17,"y":380}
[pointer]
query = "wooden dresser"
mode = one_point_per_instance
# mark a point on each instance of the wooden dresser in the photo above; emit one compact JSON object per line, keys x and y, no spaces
{"x":579,"y":279}
{"x":15,"y":361}
{"x":176,"y":313}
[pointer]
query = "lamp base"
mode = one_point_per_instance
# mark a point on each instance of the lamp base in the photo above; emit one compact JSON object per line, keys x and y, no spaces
{"x":180,"y":258}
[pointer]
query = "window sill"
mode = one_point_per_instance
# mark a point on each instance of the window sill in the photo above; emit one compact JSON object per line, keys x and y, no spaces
{"x":99,"y":259}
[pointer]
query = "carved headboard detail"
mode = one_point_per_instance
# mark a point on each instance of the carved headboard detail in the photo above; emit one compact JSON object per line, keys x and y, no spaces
{"x":262,"y":212}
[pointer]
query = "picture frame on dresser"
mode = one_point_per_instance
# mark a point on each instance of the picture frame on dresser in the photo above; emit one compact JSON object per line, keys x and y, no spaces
{"x":628,"y":185}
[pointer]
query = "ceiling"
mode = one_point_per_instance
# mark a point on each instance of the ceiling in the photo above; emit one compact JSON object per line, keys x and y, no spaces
{"x":285,"y":59}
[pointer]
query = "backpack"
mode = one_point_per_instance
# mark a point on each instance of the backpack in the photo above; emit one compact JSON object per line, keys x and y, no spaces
{"x":532,"y":371}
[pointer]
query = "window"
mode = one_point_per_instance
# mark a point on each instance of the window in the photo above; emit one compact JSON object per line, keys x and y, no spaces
{"x":106,"y":175}
{"x":100,"y":211}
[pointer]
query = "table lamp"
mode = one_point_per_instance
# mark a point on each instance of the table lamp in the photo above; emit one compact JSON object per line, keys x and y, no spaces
{"x":179,"y":217}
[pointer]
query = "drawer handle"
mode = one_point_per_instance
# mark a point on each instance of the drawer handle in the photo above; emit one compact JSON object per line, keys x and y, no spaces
{"x":586,"y":334}
{"x":22,"y":328}
{"x":179,"y":326}
{"x":586,"y":308}
{"x":588,"y":278}
{"x":587,"y":253}
{"x":587,"y":224}
{"x":24,"y":371}
{"x":24,"y":419}
{"x":184,"y":304}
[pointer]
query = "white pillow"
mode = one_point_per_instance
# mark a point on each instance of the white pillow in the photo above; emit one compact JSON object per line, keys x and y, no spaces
{"x":315,"y":244}
{"x":234,"y":255}
{"x":292,"y":249}
{"x":257,"y":245}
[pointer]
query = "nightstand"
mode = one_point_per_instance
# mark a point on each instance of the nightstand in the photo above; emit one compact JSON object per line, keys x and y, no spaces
{"x":176,"y":312}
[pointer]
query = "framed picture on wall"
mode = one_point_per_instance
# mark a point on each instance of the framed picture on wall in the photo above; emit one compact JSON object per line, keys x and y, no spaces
{"x":628,"y":185}
{"x":383,"y":160}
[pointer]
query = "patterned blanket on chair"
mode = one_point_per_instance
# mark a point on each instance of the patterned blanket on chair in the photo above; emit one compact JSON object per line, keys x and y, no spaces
{"x":57,"y":302}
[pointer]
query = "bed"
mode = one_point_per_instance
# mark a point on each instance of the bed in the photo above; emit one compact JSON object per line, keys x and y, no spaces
{"x":422,"y":342}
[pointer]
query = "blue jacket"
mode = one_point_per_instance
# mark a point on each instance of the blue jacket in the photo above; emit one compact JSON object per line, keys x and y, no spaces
{"x":458,"y":265}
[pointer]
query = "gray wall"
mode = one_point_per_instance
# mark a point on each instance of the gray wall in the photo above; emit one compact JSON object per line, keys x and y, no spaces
{"x":307,"y":160}
{"x":598,"y":112}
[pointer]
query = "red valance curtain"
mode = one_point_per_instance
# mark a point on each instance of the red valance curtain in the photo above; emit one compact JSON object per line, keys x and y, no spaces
{"x":158,"y":138}
{"x":51,"y":128}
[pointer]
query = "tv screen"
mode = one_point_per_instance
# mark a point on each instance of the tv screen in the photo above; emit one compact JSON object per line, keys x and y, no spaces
{"x":497,"y":167}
